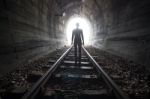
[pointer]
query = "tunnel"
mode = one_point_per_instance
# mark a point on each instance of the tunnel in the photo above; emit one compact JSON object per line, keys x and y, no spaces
{"x":30,"y":29}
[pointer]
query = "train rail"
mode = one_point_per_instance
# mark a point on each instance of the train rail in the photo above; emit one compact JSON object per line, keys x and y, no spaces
{"x":64,"y":80}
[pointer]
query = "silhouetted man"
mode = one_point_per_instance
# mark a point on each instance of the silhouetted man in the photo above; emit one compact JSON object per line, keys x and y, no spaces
{"x":78,"y":40}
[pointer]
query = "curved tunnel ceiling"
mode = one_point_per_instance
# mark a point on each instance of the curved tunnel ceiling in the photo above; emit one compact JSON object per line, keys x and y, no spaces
{"x":75,"y":7}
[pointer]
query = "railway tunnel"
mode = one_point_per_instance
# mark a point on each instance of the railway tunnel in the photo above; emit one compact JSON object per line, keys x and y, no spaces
{"x":30,"y":29}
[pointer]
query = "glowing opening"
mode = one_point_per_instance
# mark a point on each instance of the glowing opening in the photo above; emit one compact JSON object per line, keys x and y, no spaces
{"x":84,"y":25}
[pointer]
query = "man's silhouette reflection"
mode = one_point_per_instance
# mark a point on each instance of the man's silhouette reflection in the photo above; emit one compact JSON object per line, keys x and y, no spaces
{"x":78,"y":40}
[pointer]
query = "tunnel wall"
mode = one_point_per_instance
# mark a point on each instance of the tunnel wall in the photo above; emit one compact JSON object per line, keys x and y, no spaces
{"x":122,"y":27}
{"x":28,"y":30}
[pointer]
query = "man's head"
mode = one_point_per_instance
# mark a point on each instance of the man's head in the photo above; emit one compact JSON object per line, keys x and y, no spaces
{"x":77,"y":25}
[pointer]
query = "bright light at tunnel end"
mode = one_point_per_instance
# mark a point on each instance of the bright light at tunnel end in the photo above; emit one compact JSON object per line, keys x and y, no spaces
{"x":84,"y":25}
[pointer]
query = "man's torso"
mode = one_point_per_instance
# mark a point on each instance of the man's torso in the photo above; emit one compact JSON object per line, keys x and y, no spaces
{"x":77,"y":34}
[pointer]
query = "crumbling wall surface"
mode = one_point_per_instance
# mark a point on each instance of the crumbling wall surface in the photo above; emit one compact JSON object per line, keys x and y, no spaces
{"x":27,"y":31}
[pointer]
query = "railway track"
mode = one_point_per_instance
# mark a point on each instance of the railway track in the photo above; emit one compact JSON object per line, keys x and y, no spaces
{"x":64,"y":80}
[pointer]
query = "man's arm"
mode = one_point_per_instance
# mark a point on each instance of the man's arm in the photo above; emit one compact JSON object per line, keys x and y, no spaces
{"x":82,"y":37}
{"x":72,"y":37}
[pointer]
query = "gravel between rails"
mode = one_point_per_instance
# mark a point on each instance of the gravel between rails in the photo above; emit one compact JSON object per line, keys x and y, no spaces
{"x":132,"y":78}
{"x":18,"y":78}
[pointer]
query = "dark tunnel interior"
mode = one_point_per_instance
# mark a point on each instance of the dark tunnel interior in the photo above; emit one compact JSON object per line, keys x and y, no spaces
{"x":30,"y":29}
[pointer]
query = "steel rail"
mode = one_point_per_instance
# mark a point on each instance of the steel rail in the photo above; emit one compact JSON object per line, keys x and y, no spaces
{"x":40,"y":83}
{"x":118,"y":92}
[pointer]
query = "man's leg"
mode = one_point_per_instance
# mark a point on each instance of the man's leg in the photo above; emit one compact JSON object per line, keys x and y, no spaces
{"x":75,"y":53}
{"x":79,"y":47}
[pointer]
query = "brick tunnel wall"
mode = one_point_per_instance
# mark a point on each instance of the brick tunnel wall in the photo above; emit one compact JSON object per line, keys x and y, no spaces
{"x":28,"y":30}
{"x":123,"y":28}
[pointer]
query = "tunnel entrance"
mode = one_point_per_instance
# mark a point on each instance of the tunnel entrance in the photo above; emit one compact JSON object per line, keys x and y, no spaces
{"x":85,"y":25}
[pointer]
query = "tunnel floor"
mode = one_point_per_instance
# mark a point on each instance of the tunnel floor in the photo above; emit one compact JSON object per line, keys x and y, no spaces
{"x":132,"y":78}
